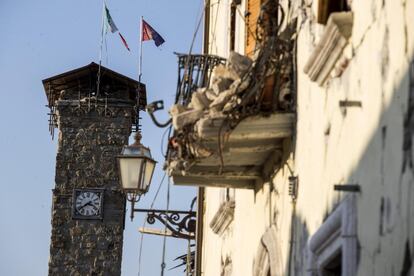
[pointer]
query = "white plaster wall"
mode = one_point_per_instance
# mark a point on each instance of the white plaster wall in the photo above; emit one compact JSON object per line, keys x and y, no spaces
{"x":219,"y":31}
{"x":364,"y":145}
{"x":335,"y":146}
{"x":213,"y":251}
{"x":219,"y":27}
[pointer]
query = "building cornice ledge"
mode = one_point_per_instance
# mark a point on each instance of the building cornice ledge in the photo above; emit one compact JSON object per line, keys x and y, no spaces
{"x":327,"y":53}
{"x":223,"y":217}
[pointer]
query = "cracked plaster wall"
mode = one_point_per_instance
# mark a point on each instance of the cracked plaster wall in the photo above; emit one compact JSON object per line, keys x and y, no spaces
{"x":333,"y":145}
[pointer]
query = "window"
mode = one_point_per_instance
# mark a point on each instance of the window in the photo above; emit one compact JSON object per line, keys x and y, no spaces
{"x":334,"y":266}
{"x":233,"y":11}
{"x":326,"y":7}
{"x":333,"y":248}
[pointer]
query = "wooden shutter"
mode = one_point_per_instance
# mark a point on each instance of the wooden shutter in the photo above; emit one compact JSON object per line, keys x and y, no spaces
{"x":253,"y":10}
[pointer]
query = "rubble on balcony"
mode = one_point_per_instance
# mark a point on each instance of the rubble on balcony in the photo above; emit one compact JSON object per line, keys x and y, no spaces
{"x":232,"y":130}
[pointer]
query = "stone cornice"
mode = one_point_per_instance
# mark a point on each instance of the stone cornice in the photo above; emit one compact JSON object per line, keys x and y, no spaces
{"x":223,"y":217}
{"x":327,"y":53}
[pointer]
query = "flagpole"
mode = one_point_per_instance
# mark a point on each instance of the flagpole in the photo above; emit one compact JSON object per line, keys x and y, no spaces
{"x":138,"y":130}
{"x":140,"y":53}
{"x":98,"y":82}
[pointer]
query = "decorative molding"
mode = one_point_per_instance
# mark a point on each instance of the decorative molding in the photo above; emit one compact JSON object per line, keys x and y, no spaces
{"x":226,"y":267}
{"x":327,"y":58}
{"x":269,"y":257}
{"x":223,"y":217}
{"x":337,"y":233}
{"x":261,"y":266}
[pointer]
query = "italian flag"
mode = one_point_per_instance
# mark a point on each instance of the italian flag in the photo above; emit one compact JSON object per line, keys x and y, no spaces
{"x":109,"y":24}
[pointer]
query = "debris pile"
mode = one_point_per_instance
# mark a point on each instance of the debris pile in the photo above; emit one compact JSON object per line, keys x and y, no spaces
{"x":241,"y":88}
{"x":219,"y":98}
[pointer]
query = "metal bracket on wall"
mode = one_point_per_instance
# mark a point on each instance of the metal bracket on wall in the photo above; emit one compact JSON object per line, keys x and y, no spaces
{"x":154,"y":106}
{"x":182,"y":224}
{"x":293,"y":187}
{"x":354,"y":188}
{"x":347,"y":103}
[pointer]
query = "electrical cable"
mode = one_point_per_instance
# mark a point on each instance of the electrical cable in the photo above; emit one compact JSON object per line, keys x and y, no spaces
{"x":162,"y":180}
{"x":196,"y":30}
{"x":165,"y":230}
{"x":186,"y":65}
{"x":145,"y":222}
{"x":162,"y":140}
{"x":215,"y":25}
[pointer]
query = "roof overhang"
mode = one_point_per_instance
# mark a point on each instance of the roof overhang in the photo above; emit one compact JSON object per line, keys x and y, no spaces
{"x":85,"y":78}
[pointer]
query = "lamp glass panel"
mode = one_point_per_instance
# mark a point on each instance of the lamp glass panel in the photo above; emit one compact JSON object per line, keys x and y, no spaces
{"x":130,"y":168}
{"x":146,"y":152}
{"x":136,"y":151}
{"x":149,"y":170}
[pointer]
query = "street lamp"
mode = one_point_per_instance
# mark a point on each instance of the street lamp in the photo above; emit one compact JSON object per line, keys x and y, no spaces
{"x":136,"y":167}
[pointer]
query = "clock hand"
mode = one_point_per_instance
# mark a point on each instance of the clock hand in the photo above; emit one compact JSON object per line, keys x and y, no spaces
{"x":87,"y":203}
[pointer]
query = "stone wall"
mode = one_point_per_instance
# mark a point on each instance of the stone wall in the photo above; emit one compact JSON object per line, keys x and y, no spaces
{"x":90,"y":138}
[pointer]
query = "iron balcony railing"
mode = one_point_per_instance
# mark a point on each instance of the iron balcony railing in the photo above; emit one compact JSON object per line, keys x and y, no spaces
{"x":194,"y":71}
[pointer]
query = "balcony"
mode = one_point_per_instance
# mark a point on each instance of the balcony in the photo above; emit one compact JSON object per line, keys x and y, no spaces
{"x":246,"y":155}
{"x":233,"y":118}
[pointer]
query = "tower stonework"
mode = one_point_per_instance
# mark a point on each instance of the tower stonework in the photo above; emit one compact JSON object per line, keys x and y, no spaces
{"x":88,"y":207}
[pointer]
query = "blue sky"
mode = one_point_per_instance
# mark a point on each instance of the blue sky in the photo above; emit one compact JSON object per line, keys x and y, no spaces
{"x":40,"y":39}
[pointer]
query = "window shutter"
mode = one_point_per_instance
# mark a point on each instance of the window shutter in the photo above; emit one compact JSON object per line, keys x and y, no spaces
{"x":253,"y":10}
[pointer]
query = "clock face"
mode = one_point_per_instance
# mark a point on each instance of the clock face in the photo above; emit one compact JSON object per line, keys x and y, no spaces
{"x":88,"y":204}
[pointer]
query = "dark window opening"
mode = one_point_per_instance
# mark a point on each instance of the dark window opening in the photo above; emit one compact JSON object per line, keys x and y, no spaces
{"x":326,"y":7}
{"x":334,"y":267}
{"x":233,"y":25}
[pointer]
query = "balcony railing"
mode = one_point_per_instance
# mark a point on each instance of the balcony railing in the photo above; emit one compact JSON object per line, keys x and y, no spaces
{"x":194,"y":71}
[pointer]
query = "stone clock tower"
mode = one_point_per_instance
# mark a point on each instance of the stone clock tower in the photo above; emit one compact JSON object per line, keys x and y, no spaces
{"x":88,"y":208}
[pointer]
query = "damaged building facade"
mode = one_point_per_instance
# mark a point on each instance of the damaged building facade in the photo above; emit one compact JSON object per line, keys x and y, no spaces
{"x":300,"y":138}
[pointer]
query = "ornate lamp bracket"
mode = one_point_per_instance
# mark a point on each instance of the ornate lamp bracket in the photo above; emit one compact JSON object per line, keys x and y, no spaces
{"x":182,"y":224}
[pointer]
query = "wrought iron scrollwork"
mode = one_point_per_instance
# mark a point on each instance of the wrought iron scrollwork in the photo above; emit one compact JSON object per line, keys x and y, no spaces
{"x":182,"y":224}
